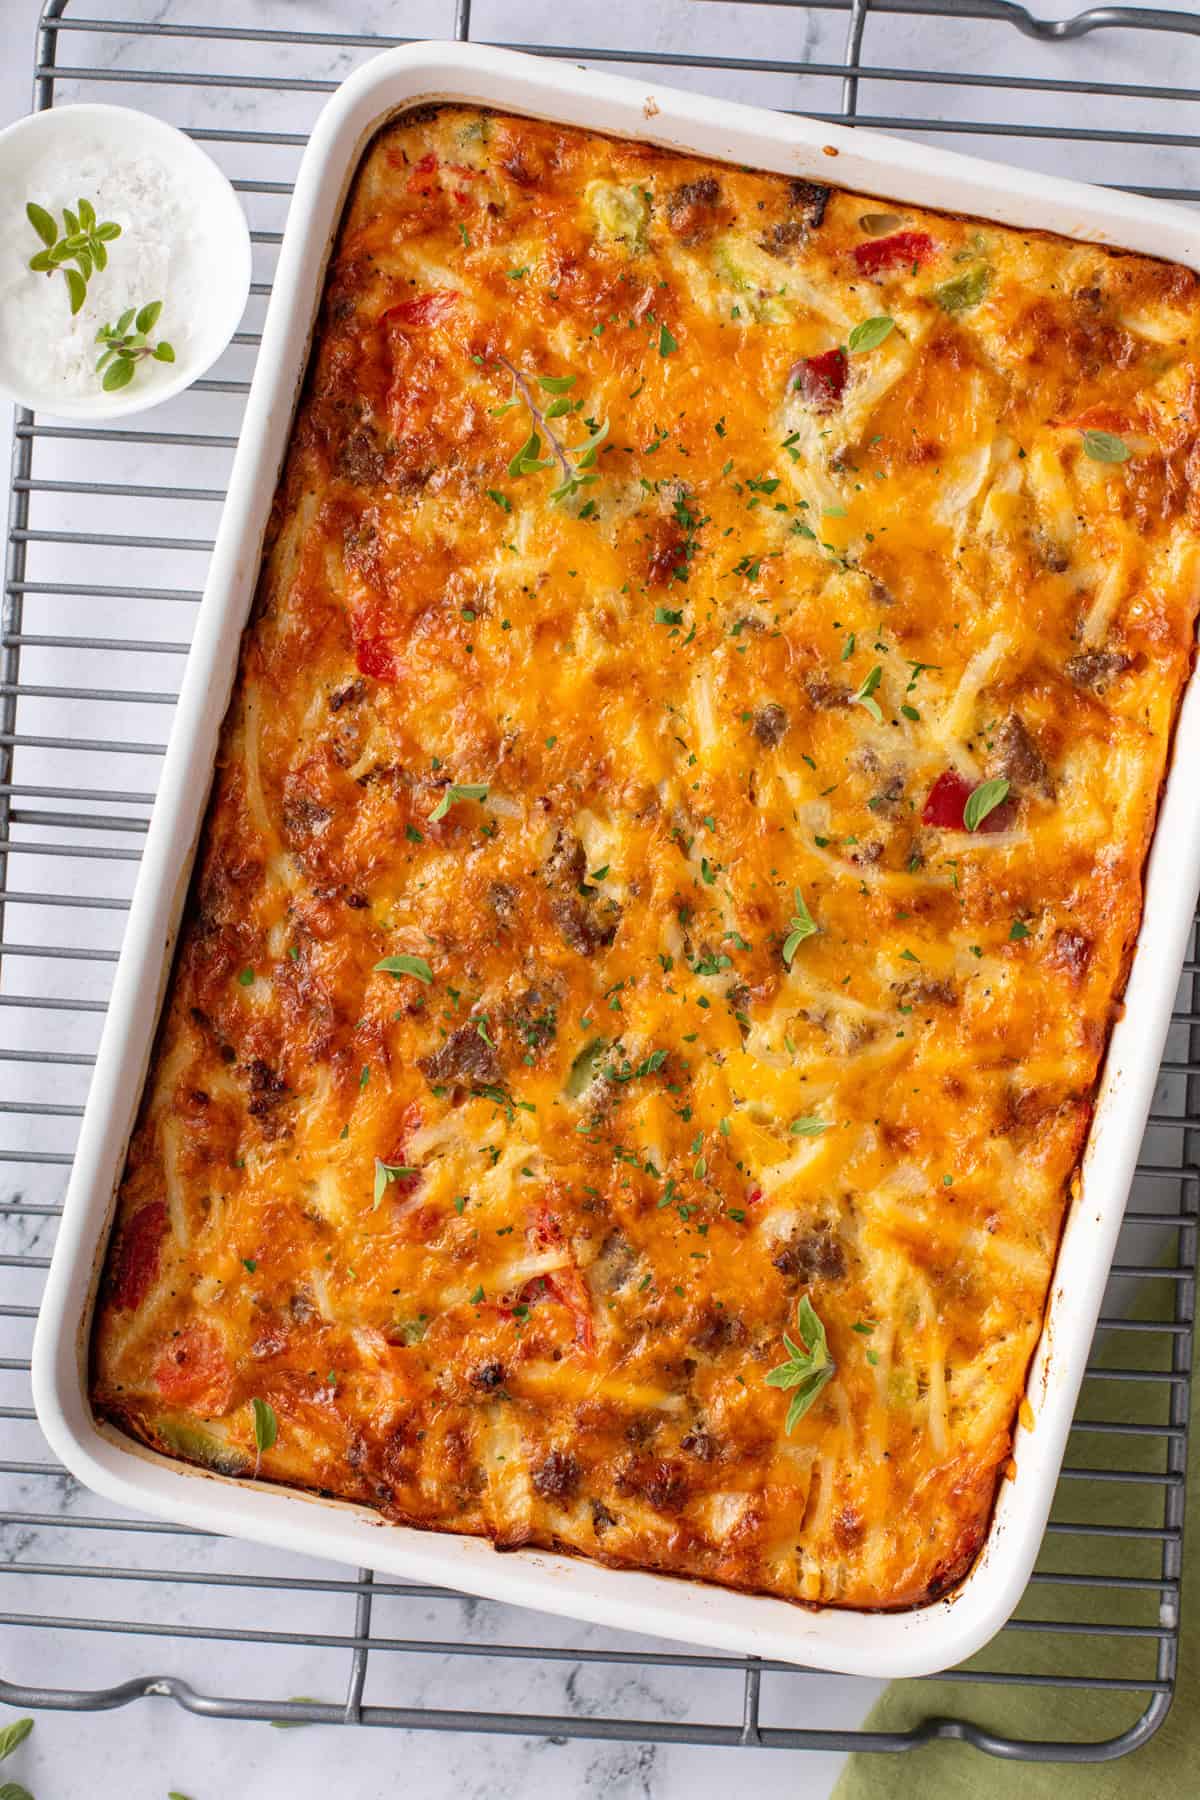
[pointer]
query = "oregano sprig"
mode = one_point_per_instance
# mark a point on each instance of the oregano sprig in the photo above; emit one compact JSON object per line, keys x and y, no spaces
{"x":81,"y":241}
{"x":125,"y":348}
{"x":529,"y":459}
{"x":809,"y":1365}
{"x":800,"y":926}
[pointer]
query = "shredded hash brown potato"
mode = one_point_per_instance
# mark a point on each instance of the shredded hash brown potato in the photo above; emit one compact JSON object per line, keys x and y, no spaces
{"x":674,"y":860}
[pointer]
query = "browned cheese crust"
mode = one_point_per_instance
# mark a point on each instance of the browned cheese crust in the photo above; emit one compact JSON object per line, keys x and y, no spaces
{"x":743,"y":732}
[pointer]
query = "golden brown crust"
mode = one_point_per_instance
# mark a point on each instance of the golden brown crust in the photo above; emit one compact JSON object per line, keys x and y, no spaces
{"x":510,"y":1250}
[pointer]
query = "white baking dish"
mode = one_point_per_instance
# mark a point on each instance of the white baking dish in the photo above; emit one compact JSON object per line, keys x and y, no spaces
{"x":897,"y":1644}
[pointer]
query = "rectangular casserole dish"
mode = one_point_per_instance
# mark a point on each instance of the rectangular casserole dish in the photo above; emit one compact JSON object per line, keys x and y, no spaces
{"x":855,"y":1642}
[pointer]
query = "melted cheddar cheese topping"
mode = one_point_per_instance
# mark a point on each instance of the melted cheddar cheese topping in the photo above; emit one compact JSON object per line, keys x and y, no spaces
{"x":717,"y":649}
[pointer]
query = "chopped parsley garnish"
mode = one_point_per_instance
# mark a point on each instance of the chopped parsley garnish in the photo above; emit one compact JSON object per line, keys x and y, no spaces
{"x":246,"y":977}
{"x":502,"y":500}
{"x":666,"y":343}
{"x":1018,"y":932}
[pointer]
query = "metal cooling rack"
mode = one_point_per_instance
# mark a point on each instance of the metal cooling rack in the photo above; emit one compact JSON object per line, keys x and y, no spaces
{"x":98,"y":605}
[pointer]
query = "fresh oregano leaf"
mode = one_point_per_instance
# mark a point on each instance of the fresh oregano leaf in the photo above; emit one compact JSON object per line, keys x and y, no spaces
{"x":266,"y":1425}
{"x":802,"y":925}
{"x":1106,"y":447}
{"x":984,"y":800}
{"x":119,"y":375}
{"x":42,"y":222}
{"x":464,"y":790}
{"x":405,"y":965}
{"x":870,"y":334}
{"x":14,"y":1734}
{"x":809,"y":1366}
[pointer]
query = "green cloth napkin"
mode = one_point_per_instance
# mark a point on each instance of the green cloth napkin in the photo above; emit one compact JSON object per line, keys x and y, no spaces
{"x":1169,"y":1764}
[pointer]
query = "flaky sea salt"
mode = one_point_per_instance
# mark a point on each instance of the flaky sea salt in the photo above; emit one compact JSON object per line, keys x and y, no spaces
{"x":152,"y":259}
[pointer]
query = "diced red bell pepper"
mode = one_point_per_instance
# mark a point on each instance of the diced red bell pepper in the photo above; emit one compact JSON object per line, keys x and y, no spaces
{"x":372,"y":653}
{"x":193,"y":1370}
{"x":400,"y":1185}
{"x":135,"y":1264}
{"x":566,"y":1286}
{"x":946,"y":802}
{"x":425,"y":309}
{"x":821,"y":380}
{"x":902,"y":249}
{"x":419,"y":181}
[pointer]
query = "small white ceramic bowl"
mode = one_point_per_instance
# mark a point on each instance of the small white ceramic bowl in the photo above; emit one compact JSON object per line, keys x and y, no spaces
{"x":199,"y":267}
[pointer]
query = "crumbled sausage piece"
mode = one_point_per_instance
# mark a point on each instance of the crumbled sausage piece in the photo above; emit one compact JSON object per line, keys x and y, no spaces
{"x":811,"y":198}
{"x":827,"y":694}
{"x":813,"y":1254}
{"x":347,"y":696}
{"x":582,"y":929}
{"x":1095,"y":668}
{"x":488,"y":1376}
{"x":534,"y":1019}
{"x":502,"y":898}
{"x":557,"y":1476}
{"x":770,"y":724}
{"x":922,"y":990}
{"x":701,"y":1444}
{"x":615,"y":1264}
{"x":602,"y":1519}
{"x":663,"y":1485}
{"x":267,"y":1088}
{"x":465,"y":1056}
{"x":783,"y":237}
{"x":361,"y":460}
{"x":886,"y":802}
{"x":303,"y":817}
{"x":1015,"y":755}
{"x":1071,"y":951}
{"x":692,"y":209}
{"x":566,"y":864}
{"x":718,"y":1327}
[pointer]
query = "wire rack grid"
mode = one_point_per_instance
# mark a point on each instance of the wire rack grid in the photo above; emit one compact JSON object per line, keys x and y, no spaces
{"x":100,"y":590}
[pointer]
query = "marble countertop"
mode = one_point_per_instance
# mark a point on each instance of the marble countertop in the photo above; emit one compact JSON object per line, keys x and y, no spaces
{"x":145,"y":1749}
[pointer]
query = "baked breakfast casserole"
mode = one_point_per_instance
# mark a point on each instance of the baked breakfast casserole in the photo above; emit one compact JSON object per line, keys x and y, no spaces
{"x":675,"y":856}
